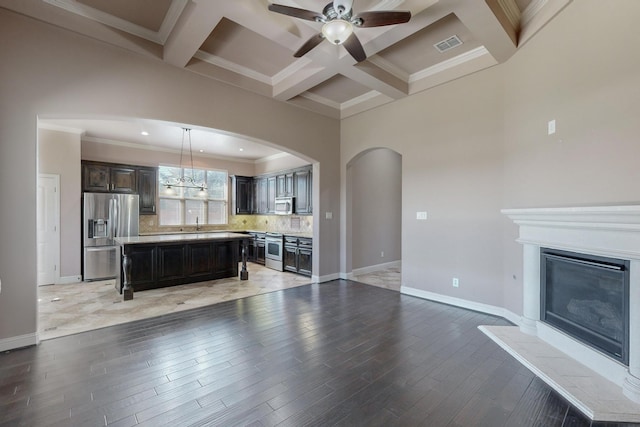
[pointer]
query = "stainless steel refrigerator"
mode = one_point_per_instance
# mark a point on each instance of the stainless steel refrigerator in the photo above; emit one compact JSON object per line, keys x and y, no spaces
{"x":106,"y":216}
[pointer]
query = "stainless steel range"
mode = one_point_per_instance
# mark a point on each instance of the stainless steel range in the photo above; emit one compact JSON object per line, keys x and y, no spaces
{"x":273,"y":251}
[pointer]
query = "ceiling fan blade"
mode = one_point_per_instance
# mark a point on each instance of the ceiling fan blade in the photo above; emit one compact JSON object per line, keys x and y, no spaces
{"x":309,"y":44}
{"x":378,"y":18}
{"x":354,"y":47}
{"x":296,"y":12}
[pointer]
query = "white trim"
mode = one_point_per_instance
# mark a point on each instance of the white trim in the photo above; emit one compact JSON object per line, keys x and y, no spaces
{"x":449,"y":63}
{"x":532,"y":10}
{"x":462,"y":303}
{"x":272,"y":157}
{"x":374,"y":268}
{"x":511,"y":11}
{"x":160,"y":149}
{"x":326,"y":278}
{"x":359,"y":99}
{"x":320,"y":100}
{"x":68,"y":279}
{"x":160,"y":36}
{"x":19,"y":341}
{"x":389,"y":67}
{"x":51,"y":126}
{"x":233,"y":67}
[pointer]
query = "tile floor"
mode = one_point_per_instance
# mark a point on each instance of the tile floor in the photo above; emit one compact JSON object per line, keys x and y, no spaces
{"x":71,"y":308}
{"x":388,"y":279}
{"x":78,"y":307}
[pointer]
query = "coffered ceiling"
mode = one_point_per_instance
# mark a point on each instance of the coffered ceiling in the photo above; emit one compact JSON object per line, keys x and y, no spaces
{"x":242,"y":43}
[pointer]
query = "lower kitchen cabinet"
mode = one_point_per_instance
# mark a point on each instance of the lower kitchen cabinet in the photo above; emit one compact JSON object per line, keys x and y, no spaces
{"x":304,"y":261}
{"x":160,"y":265}
{"x":256,"y":248}
{"x":289,"y":257}
{"x":297,"y":254}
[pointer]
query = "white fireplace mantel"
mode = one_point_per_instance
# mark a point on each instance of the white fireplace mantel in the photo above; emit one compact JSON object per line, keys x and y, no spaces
{"x":610,"y":231}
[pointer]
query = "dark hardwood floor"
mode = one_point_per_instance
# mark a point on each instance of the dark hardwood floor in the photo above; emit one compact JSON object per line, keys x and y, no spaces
{"x":340,"y":353}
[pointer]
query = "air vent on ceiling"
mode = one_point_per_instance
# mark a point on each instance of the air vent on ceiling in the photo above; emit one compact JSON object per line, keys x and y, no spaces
{"x":448,"y":44}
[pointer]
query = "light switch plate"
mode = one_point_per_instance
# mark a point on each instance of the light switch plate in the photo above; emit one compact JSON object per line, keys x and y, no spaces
{"x":328,"y":215}
{"x":421,"y":215}
{"x":551,"y":127}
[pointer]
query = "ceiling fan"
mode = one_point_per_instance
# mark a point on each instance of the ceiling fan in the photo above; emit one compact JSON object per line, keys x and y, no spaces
{"x":339,"y":22}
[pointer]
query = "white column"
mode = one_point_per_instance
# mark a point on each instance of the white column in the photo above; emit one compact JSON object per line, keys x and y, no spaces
{"x":531,"y":289}
{"x":631,"y":386}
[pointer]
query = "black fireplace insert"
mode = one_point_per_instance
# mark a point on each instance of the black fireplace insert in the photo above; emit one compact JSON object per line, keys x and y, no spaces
{"x":587,"y":297}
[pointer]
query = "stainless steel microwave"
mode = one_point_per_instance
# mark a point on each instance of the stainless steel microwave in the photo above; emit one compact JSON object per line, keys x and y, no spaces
{"x":284,"y":205}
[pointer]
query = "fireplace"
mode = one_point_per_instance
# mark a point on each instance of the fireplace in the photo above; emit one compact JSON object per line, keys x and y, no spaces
{"x":587,"y":297}
{"x":607,"y":236}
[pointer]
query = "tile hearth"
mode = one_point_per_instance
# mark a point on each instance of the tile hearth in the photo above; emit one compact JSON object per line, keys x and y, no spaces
{"x":594,"y":395}
{"x":71,"y":308}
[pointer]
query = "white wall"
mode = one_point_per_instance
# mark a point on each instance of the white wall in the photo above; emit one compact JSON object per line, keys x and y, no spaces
{"x":57,"y":74}
{"x":59,"y":153}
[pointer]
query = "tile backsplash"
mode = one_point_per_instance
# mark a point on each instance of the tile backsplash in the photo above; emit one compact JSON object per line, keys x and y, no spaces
{"x":275,"y":223}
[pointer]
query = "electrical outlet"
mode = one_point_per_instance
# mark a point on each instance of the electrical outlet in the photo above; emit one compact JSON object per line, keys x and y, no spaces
{"x":382,"y":254}
{"x":455,"y":282}
{"x":551,"y":127}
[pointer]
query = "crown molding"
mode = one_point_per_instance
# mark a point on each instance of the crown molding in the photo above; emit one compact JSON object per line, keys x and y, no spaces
{"x":448,"y":64}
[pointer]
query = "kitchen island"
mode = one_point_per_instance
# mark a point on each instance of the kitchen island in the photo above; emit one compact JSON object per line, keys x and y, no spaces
{"x":158,"y":261}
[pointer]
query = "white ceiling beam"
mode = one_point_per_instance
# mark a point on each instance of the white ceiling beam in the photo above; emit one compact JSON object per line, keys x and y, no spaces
{"x":194,"y":26}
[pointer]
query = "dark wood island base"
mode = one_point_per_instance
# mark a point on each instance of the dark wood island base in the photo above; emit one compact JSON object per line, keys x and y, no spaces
{"x":151,"y":262}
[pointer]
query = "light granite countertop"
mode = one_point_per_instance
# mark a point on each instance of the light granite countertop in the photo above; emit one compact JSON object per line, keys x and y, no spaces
{"x":182,"y":237}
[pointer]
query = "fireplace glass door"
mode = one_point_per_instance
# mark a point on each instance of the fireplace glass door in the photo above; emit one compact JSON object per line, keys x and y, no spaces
{"x":587,"y":297}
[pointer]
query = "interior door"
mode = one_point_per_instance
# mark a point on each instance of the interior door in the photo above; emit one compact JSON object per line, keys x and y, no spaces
{"x":48,"y":232}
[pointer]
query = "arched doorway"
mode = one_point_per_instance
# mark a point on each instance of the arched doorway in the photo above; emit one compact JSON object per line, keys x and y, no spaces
{"x":374,"y":217}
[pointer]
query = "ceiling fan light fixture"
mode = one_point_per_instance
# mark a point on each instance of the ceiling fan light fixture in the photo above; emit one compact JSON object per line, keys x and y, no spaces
{"x":337,"y":31}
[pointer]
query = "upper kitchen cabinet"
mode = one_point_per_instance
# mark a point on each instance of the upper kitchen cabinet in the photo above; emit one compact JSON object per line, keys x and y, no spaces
{"x":123,"y":179}
{"x":271,"y":195}
{"x":284,"y":185}
{"x":98,"y":177}
{"x":242,"y":188}
{"x":108,"y":178}
{"x":260,"y":196}
{"x":303,"y":191}
{"x":147,"y":185}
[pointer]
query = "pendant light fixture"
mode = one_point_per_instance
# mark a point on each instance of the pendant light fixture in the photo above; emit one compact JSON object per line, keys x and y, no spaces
{"x":186,"y":181}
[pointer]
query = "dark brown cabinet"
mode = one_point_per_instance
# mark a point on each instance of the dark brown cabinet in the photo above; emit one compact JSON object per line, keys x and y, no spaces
{"x":116,"y":178}
{"x":147,"y":187}
{"x":297,"y":254}
{"x":260,"y":196}
{"x":271,"y":195}
{"x":123,"y":180}
{"x":303,"y":191}
{"x":257,"y":195}
{"x":242,"y":195}
{"x":284,"y":185}
{"x":160,"y":265}
{"x":96,"y":178}
{"x":108,"y":178}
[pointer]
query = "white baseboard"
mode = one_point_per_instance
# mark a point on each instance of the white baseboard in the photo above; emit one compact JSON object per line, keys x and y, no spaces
{"x":18,"y":342}
{"x":325,"y":278}
{"x":68,"y":279}
{"x":463,"y":303}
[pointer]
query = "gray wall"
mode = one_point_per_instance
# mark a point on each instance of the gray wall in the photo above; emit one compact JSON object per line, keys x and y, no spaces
{"x":479,"y":144}
{"x":57,"y":74}
{"x":374,"y":184}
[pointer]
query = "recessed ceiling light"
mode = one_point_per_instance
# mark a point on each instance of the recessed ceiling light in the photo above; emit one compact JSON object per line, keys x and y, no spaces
{"x":242,"y":149}
{"x":145,"y":133}
{"x":202,"y":151}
